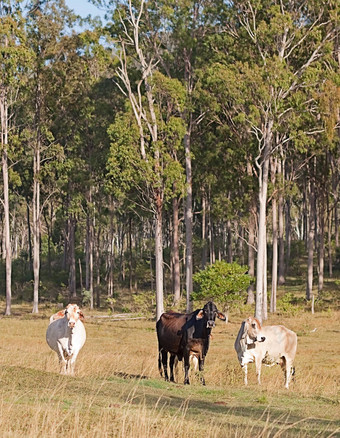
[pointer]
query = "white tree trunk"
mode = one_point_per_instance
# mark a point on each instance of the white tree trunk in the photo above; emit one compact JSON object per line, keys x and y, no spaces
{"x":188,"y":223}
{"x":36,"y":224}
{"x":263,"y":166}
{"x":310,"y":243}
{"x":7,"y":237}
{"x":159,"y":263}
{"x":281,"y":274}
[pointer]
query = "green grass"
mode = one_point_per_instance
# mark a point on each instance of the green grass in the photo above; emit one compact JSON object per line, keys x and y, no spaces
{"x":117,"y":391}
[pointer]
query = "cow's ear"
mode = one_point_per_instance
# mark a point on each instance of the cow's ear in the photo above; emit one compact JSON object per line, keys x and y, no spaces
{"x":221,"y":316}
{"x":81,"y":316}
{"x":200,"y":314}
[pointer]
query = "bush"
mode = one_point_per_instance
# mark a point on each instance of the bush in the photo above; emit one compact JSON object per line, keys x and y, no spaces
{"x":289,"y":305}
{"x":225,"y":283}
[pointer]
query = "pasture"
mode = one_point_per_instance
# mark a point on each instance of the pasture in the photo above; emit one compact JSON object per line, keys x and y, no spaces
{"x":117,"y":391}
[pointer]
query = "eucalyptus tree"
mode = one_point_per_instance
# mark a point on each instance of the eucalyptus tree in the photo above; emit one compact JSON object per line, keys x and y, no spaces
{"x":286,"y":42}
{"x":181,"y":53}
{"x":155,"y":167}
{"x":14,"y":57}
{"x":46,"y":22}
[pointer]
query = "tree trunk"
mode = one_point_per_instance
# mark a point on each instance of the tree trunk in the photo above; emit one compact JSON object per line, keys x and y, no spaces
{"x":36,"y":222}
{"x":188,"y":221}
{"x":87,"y":253}
{"x":110,"y":282}
{"x":130,"y":257}
{"x":261,"y":273}
{"x":251,"y":257}
{"x":204,"y":230}
{"x":288,"y":234}
{"x":7,"y":237}
{"x":80,"y":275}
{"x":251,"y":244}
{"x":175,"y":251}
{"x":321,"y":239}
{"x":29,"y":237}
{"x":275,"y":240}
{"x":72,"y":258}
{"x":310,"y":241}
{"x":159,"y":259}
{"x":229,"y":243}
{"x":91,"y":262}
{"x":281,"y":275}
{"x":330,"y":254}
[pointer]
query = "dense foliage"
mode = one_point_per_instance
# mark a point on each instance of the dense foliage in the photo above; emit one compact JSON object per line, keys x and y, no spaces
{"x":138,"y":151}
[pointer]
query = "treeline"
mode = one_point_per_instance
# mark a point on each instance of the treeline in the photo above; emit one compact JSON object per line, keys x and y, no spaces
{"x":136,"y":152}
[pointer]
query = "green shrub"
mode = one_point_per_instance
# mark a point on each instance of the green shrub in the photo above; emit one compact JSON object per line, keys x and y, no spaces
{"x":289,"y":304}
{"x":225,"y":283}
{"x":86,"y":297}
{"x":144,"y":302}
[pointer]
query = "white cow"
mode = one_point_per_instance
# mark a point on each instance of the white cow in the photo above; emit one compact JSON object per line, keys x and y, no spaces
{"x":269,"y":345}
{"x":66,"y":335}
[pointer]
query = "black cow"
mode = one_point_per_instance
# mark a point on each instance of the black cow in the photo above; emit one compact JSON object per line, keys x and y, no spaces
{"x":184,"y":335}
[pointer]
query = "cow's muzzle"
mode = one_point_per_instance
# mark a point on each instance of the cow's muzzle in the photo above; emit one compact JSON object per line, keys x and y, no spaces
{"x":71,"y":324}
{"x":261,"y":339}
{"x":210,"y":324}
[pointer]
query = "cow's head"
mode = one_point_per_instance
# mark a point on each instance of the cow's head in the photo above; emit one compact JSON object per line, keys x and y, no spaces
{"x":73,"y":314}
{"x":209,"y":313}
{"x":252,"y":331}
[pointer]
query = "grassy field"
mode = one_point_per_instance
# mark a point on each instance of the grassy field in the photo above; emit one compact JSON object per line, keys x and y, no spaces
{"x":117,"y":391}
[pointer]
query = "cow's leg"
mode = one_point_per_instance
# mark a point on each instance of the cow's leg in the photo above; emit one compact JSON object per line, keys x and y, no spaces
{"x":72,"y":362}
{"x":61,"y":357}
{"x":160,"y":369}
{"x":172,"y":362}
{"x":288,"y":369}
{"x":201,"y":369}
{"x":186,"y":358}
{"x":165,"y":364}
{"x":258,"y":363}
{"x":245,"y":370}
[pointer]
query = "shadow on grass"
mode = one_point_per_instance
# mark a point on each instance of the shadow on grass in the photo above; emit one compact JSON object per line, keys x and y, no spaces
{"x":243,"y":409}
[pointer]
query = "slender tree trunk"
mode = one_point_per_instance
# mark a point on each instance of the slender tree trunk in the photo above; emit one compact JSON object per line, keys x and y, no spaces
{"x":159,"y":259}
{"x":281,"y":275}
{"x":7,"y":237}
{"x":130,"y":257}
{"x":36,"y":222}
{"x":261,"y":273}
{"x":251,"y":258}
{"x":87,"y":253}
{"x":204,"y":230}
{"x":321,"y":239}
{"x":310,"y":242}
{"x":275,"y":240}
{"x":91,"y":263}
{"x":72,"y":258}
{"x":288,"y":234}
{"x":188,"y":220}
{"x":175,"y":251}
{"x":80,"y":275}
{"x":251,"y":244}
{"x":229,"y":243}
{"x":330,"y":254}
{"x":110,"y":283}
{"x":29,"y":237}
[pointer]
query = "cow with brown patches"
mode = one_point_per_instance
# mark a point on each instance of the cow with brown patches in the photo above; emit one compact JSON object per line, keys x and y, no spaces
{"x":66,"y":335}
{"x":269,"y":345}
{"x":185,"y":336}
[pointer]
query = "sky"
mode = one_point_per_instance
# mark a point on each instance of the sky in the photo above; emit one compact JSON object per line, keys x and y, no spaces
{"x":84,"y":8}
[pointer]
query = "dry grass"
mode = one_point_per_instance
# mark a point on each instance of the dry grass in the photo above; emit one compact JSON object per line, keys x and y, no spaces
{"x":118,"y":393}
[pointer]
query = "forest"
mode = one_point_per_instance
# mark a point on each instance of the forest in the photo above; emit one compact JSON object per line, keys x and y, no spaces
{"x":174,"y":136}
